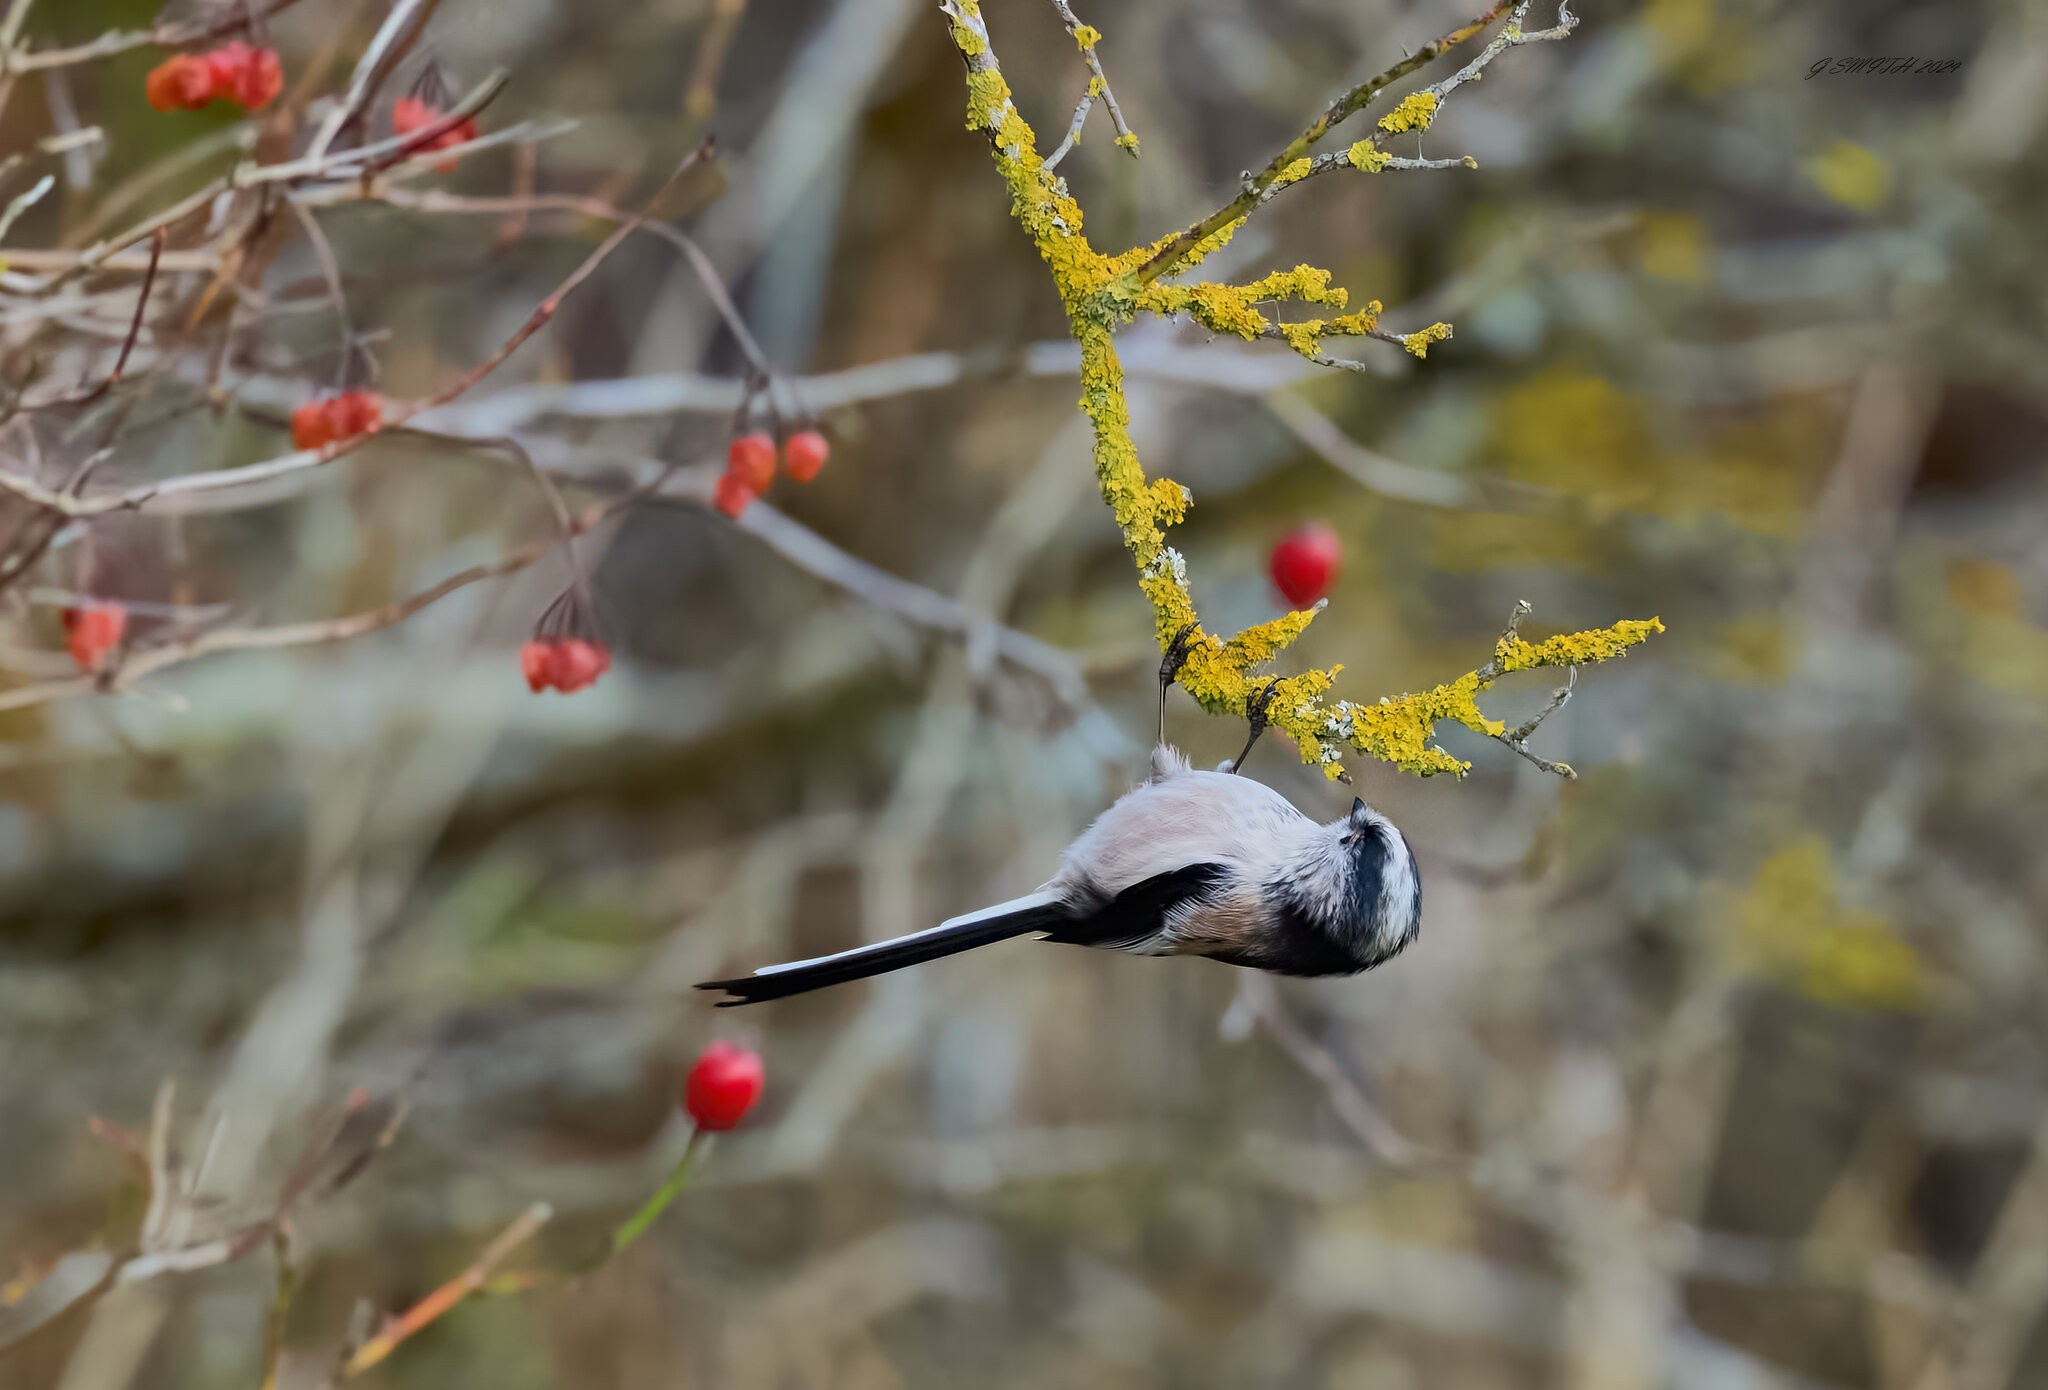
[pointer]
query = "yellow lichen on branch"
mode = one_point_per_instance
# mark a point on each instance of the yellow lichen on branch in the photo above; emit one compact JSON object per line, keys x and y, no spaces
{"x":1233,"y":309}
{"x":1306,"y":337}
{"x":1363,"y":154}
{"x":1100,"y":293}
{"x":1418,"y":342}
{"x":1415,"y":112}
{"x":1511,"y":653}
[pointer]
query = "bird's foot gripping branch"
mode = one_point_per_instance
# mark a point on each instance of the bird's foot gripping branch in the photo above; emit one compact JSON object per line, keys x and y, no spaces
{"x":1102,"y":292}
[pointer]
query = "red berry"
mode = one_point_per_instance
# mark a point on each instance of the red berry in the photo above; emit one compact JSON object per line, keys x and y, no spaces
{"x":537,"y":664}
{"x":566,"y":663}
{"x":355,"y":412}
{"x":804,"y":453}
{"x":732,"y":495}
{"x":751,"y":458}
{"x":226,"y":64}
{"x":1304,"y":563}
{"x":723,"y":1086}
{"x":179,"y":83}
{"x":330,"y":419}
{"x":249,"y":77}
{"x":310,"y":427}
{"x":93,"y":631}
{"x":409,"y":114}
{"x":259,"y":81}
{"x":579,"y":663}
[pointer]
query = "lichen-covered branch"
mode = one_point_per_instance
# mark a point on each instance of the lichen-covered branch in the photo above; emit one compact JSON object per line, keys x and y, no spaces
{"x":1101,"y":293}
{"x":1087,"y":36}
{"x":1291,"y":164}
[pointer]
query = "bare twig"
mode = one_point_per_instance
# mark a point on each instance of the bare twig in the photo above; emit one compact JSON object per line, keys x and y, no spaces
{"x":700,"y":99}
{"x":1350,"y":1104}
{"x":142,"y":494}
{"x":437,"y":1303}
{"x":435,"y":201}
{"x":113,"y":378}
{"x":22,"y":202}
{"x":238,"y":19}
{"x":794,"y":542}
{"x":401,"y":27}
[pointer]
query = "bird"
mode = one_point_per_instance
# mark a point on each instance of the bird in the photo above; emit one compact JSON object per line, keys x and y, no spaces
{"x":1187,"y":863}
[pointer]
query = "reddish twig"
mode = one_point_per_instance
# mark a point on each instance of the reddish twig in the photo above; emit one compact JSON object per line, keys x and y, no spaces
{"x":437,"y":1303}
{"x":434,"y":201}
{"x":113,"y":378}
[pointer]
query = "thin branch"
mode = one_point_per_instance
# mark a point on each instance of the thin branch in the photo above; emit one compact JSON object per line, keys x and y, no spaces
{"x":401,"y":27}
{"x":700,"y":99}
{"x":142,"y":494}
{"x":1257,"y":993}
{"x":1557,"y":700}
{"x":1341,"y":159}
{"x":151,"y":660}
{"x":1097,"y":81}
{"x":795,"y":543}
{"x":113,"y":378}
{"x":437,"y":1303}
{"x":239,"y":20}
{"x":1178,"y":247}
{"x":354,"y":162}
{"x":435,"y":201}
{"x":323,"y":251}
{"x":25,"y":200}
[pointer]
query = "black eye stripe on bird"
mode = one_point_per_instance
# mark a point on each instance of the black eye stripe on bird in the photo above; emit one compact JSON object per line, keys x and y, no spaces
{"x":1187,"y":863}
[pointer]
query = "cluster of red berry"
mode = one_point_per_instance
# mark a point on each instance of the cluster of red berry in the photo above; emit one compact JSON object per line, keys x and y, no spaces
{"x":331,"y":419}
{"x":565,"y":663}
{"x":750,"y":466}
{"x":92,"y":630}
{"x":409,"y":114}
{"x":249,"y":77}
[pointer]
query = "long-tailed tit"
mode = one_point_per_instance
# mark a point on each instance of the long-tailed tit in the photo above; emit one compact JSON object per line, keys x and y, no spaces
{"x":1186,"y":864}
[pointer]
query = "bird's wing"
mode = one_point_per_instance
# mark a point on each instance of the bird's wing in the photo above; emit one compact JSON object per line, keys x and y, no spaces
{"x":1140,"y":918}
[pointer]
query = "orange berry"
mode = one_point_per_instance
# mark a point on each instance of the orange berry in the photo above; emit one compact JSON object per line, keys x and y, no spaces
{"x":310,"y":428}
{"x":179,"y":83}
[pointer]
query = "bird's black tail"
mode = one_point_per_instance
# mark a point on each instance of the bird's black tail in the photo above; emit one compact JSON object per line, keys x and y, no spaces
{"x":1038,"y":912}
